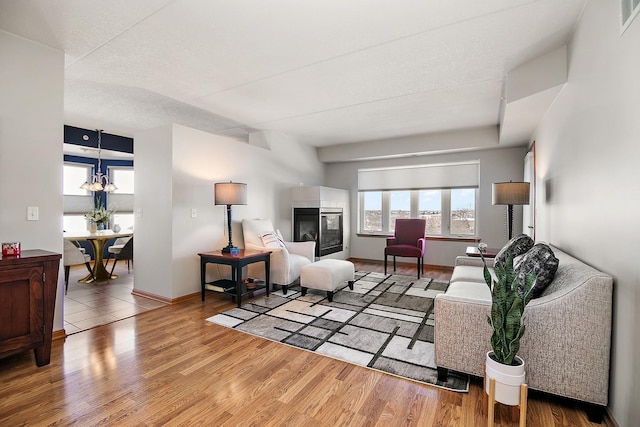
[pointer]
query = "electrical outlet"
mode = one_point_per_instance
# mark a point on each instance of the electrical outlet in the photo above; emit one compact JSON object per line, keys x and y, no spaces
{"x":33,"y":213}
{"x":194,"y":212}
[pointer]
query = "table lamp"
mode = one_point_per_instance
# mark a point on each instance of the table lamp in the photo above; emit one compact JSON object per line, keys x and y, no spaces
{"x":510,"y":193}
{"x":230,"y":193}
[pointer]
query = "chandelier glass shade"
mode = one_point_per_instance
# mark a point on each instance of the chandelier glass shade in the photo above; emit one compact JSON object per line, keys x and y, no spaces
{"x":99,"y":181}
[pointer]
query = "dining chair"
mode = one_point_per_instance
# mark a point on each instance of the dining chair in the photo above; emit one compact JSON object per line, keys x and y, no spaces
{"x":408,"y":241}
{"x":126,"y":253}
{"x":114,"y":249}
{"x":73,"y":255}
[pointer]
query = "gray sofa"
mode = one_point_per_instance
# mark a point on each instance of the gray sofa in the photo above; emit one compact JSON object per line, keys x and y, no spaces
{"x":568,"y":329}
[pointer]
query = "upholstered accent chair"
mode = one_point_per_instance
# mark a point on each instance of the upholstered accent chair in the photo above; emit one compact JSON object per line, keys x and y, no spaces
{"x":74,"y":255}
{"x":408,"y":241}
{"x":287,"y":258}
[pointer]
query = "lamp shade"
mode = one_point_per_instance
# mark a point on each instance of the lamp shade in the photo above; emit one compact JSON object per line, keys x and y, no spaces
{"x":230,"y":193}
{"x":511,"y":193}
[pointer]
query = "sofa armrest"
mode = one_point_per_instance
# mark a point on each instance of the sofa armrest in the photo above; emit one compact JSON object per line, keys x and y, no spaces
{"x":473,"y":261}
{"x":305,"y":249}
{"x":462,"y":336}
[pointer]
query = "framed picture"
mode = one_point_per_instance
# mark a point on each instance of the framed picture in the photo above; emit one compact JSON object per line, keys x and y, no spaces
{"x":11,"y":249}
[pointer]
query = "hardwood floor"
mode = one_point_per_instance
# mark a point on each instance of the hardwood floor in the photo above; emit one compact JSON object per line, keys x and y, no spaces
{"x":168,"y":366}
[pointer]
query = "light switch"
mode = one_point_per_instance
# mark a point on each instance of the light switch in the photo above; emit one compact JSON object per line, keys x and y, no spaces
{"x":32,"y":213}
{"x":139,"y":213}
{"x":194,"y":212}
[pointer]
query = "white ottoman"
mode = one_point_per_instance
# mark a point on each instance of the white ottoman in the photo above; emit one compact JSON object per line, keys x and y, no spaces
{"x":327,"y":275}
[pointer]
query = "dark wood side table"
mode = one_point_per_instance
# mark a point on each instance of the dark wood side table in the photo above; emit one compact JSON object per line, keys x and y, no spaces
{"x":28,"y":285}
{"x":233,"y":286}
{"x":488,"y":253}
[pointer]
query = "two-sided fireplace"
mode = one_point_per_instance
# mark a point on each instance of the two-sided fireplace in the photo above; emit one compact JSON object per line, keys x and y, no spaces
{"x":322,"y":225}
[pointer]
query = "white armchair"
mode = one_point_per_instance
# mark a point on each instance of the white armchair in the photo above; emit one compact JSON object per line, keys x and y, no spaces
{"x":286,"y":261}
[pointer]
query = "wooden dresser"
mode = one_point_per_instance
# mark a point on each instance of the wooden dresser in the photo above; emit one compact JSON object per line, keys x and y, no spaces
{"x":28,"y":286}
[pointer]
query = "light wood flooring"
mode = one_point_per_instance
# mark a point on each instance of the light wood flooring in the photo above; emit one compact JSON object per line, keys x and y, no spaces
{"x":169,"y":366}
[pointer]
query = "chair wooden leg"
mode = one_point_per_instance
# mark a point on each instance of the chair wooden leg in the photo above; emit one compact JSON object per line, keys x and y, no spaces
{"x":113,"y":266}
{"x":418,"y":266}
{"x":385,"y":264}
{"x":394,"y":263}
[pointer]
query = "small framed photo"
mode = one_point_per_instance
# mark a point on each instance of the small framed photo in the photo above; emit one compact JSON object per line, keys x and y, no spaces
{"x":10,"y":249}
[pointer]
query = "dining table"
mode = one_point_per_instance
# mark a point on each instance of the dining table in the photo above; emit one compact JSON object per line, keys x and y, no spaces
{"x":97,"y":239}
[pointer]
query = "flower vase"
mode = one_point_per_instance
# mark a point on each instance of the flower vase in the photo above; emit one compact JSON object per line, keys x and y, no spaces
{"x":93,"y":227}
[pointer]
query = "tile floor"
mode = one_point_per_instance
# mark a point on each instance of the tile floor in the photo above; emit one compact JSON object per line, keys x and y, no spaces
{"x":94,"y":304}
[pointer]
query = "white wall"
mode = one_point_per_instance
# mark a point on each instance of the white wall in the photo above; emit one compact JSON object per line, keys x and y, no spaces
{"x":31,"y":135}
{"x":176,"y":168}
{"x":496,"y":165}
{"x":589,"y":182}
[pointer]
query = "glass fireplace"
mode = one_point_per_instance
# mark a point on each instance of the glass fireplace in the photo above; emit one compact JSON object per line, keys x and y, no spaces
{"x":322,"y":225}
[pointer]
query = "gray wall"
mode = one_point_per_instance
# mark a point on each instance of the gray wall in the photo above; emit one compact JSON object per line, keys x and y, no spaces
{"x":31,"y":134}
{"x":495,"y":165}
{"x":176,"y":168}
{"x":588,"y":200}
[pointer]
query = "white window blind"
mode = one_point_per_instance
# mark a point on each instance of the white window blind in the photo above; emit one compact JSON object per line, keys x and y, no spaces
{"x":451,"y":175}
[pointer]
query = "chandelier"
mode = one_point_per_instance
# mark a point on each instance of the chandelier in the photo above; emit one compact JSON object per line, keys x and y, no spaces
{"x":99,"y":182}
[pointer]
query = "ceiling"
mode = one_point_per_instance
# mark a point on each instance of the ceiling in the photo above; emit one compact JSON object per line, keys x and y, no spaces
{"x":322,"y":72}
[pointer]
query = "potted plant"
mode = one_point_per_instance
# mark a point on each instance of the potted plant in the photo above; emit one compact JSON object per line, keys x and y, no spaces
{"x":99,"y":216}
{"x":509,"y":295}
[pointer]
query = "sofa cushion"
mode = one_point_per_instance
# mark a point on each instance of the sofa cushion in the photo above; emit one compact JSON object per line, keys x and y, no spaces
{"x":515,"y":247}
{"x":468,"y":273}
{"x":542,"y":261}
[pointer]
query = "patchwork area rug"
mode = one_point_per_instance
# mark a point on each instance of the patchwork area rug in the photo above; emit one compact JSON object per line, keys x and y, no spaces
{"x":385,"y":323}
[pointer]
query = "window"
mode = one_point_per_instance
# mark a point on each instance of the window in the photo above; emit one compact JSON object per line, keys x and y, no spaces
{"x":449,"y":212}
{"x":630,"y":8}
{"x":430,"y":208}
{"x":124,"y":220}
{"x":443,"y":194}
{"x":372,"y":211}
{"x":122,"y":178}
{"x":74,"y":174}
{"x":74,"y":223}
{"x":399,"y":207}
{"x":463,"y":212}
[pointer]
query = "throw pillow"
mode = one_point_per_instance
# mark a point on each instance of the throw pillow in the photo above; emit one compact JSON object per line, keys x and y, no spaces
{"x":542,"y":261}
{"x":271,"y":240}
{"x":515,"y":247}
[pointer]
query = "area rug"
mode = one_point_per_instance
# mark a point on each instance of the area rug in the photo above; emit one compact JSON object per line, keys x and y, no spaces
{"x":385,"y":323}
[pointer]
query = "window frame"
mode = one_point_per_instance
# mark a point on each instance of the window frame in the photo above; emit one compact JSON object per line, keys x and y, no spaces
{"x":445,"y":211}
{"x":629,"y":9}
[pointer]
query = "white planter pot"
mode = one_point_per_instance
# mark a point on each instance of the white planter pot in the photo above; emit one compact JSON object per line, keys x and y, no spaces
{"x":508,"y":380}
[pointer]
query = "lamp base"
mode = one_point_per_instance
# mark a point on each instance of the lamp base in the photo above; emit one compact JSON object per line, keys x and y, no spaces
{"x":229,"y":249}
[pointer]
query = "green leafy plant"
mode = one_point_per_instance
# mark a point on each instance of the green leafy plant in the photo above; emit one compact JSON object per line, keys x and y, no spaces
{"x":507,"y":308}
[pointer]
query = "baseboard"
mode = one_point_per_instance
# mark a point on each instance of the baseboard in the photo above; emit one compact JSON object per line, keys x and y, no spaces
{"x":149,"y":295}
{"x":165,"y":300}
{"x":608,"y":419}
{"x":59,"y":334}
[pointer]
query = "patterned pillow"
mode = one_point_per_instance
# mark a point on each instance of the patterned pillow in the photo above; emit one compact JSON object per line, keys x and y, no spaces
{"x":271,"y":240}
{"x":515,"y":247}
{"x":540,"y":260}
